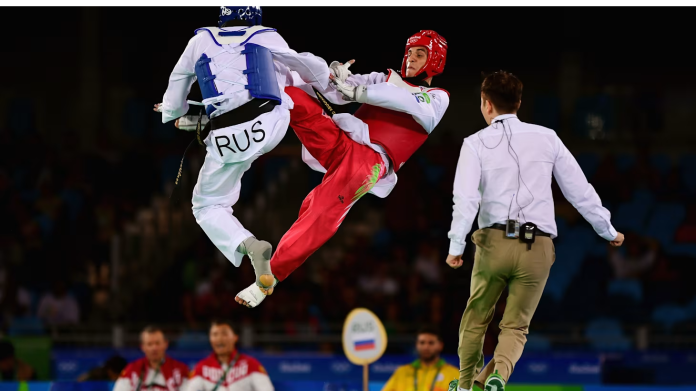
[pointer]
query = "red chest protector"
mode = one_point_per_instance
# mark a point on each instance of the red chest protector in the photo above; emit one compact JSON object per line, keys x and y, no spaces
{"x":398,"y":133}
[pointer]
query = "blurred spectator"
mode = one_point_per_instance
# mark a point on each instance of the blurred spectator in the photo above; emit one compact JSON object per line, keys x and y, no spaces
{"x":608,"y":181}
{"x":245,"y":372}
{"x":155,"y":371}
{"x":215,"y":298}
{"x":643,"y":174}
{"x":379,"y":282}
{"x":686,"y":233}
{"x":428,"y":263}
{"x":15,"y":301}
{"x":429,"y":372}
{"x":641,"y":254}
{"x":110,"y":371}
{"x":12,"y":368}
{"x":57,"y":307}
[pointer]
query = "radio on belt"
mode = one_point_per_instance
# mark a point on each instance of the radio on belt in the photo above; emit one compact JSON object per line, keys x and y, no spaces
{"x":512,"y":229}
{"x":528,"y":234}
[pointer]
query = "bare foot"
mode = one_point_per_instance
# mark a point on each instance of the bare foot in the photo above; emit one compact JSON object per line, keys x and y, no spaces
{"x":242,"y":302}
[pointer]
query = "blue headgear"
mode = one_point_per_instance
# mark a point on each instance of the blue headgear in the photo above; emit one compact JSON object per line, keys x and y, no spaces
{"x":252,"y":14}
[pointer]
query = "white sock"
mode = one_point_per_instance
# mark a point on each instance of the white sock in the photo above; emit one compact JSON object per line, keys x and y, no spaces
{"x":462,"y":389}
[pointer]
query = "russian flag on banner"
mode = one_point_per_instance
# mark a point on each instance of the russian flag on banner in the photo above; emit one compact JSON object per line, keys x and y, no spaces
{"x":364,"y":341}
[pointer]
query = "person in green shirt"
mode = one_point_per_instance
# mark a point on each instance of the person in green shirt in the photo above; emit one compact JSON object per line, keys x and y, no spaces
{"x":12,"y":368}
{"x":429,"y":372}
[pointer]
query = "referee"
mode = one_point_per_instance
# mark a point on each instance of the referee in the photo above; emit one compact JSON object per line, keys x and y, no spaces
{"x":504,"y":174}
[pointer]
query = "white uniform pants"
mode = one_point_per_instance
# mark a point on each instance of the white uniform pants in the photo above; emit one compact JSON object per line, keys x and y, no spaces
{"x":229,"y":153}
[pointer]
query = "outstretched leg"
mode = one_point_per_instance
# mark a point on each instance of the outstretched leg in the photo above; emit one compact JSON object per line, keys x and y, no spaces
{"x":352,"y":170}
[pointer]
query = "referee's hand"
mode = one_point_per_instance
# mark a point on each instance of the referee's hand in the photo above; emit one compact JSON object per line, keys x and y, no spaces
{"x":618,"y":240}
{"x":455,"y":261}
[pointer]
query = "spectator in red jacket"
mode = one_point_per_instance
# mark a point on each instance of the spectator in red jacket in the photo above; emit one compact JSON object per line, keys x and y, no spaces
{"x":226,"y":369}
{"x":155,"y":371}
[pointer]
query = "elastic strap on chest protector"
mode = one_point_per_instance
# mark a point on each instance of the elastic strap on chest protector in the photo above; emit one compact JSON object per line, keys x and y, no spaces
{"x":261,"y":75}
{"x":206,"y":81}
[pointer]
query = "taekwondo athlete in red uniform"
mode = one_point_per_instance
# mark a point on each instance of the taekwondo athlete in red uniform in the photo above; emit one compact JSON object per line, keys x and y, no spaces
{"x":359,"y":153}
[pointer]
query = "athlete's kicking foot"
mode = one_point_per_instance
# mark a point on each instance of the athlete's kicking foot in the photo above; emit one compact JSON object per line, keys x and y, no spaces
{"x":253,"y":295}
{"x":359,"y":153}
{"x":259,"y":251}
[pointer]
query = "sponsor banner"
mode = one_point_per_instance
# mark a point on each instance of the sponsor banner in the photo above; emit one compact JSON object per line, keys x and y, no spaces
{"x":323,"y":386}
{"x":534,"y":368}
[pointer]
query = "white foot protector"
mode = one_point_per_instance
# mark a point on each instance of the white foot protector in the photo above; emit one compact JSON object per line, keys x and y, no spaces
{"x":252,"y":295}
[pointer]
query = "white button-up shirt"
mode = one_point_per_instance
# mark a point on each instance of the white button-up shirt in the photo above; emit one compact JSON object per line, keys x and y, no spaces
{"x":487,"y":176}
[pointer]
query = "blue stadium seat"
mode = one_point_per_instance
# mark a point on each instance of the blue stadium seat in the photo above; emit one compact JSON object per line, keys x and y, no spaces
{"x":605,"y":334}
{"x":624,"y":162}
{"x":691,"y":310}
{"x":547,"y":111}
{"x":662,"y":163}
{"x":537,"y":343}
{"x":272,"y":167}
{"x":556,"y":286}
{"x":643,"y":196}
{"x":629,"y":288}
{"x":682,"y":249}
{"x":599,"y":249}
{"x":561,"y":226}
{"x":589,"y":162}
{"x":569,"y":257}
{"x":80,"y":386}
{"x":22,"y":114}
{"x":633,"y":215}
{"x":163,"y":132}
{"x":688,"y":173}
{"x":26,"y":326}
{"x":170,"y":168}
{"x":136,"y":115}
{"x":193,"y":340}
{"x":664,"y":222}
{"x":668,"y":315}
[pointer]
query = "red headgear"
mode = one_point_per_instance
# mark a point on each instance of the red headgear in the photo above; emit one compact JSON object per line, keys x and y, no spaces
{"x":437,"y":52}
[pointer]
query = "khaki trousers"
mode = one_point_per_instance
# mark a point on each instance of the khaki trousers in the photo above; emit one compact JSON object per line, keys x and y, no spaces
{"x":501,"y":262}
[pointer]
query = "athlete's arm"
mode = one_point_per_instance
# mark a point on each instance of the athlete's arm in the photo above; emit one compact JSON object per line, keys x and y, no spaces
{"x":310,"y":68}
{"x":174,"y":103}
{"x":363,"y":80}
{"x":427,"y":108}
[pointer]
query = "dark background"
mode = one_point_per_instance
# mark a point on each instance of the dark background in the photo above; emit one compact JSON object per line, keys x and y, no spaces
{"x":86,"y":170}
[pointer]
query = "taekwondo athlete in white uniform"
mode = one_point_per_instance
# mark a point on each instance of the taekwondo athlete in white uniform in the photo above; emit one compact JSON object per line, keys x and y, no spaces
{"x":242,"y":68}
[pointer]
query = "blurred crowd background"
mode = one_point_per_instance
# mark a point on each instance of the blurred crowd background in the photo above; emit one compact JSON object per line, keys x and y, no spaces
{"x":92,"y":246}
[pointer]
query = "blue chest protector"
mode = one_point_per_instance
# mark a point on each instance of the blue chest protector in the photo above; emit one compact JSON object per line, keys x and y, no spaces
{"x":261,"y":76}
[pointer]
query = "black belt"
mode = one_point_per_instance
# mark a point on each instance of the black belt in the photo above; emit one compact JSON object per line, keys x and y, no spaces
{"x":537,"y":232}
{"x":243,"y":113}
{"x":240,"y":115}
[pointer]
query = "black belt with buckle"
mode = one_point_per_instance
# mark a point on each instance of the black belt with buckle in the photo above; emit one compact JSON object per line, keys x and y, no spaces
{"x":537,"y":232}
{"x":243,"y":113}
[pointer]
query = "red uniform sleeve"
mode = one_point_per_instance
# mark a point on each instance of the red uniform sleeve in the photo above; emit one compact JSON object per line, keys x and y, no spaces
{"x":254,"y":365}
{"x":128,"y":370}
{"x":197,"y":370}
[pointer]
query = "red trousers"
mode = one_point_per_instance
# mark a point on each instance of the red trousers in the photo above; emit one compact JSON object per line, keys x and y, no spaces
{"x":352,"y":169}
